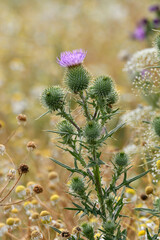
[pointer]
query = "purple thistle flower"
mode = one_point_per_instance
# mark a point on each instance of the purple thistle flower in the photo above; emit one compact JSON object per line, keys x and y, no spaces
{"x":68,"y":59}
{"x":139,"y":33}
{"x":154,"y":8}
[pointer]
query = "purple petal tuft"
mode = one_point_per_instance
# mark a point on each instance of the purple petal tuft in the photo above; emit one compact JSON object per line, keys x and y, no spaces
{"x":68,"y":59}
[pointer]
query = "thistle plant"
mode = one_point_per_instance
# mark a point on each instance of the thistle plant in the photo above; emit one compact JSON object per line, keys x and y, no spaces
{"x":95,"y":100}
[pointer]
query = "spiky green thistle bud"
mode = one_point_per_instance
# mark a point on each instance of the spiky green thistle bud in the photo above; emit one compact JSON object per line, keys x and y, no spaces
{"x":77,"y":185}
{"x":109,"y":227}
{"x":77,"y":78}
{"x":112,"y":97}
{"x":87,"y":230}
{"x":121,"y":159}
{"x":92,"y":131}
{"x":102,"y":86}
{"x":156,"y":125}
{"x":66,"y":130}
{"x":53,"y":98}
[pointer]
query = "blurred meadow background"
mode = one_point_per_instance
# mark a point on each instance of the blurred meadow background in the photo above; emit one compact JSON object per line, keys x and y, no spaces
{"x":32,"y":35}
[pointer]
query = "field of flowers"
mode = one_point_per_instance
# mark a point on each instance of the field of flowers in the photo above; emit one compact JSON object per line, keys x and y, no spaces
{"x":79,"y":120}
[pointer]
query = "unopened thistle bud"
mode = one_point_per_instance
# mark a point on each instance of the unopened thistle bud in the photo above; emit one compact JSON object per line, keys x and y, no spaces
{"x":66,"y":130}
{"x":77,"y":185}
{"x":92,"y":131}
{"x":156,"y":125}
{"x":87,"y":231}
{"x":121,"y":159}
{"x":77,"y":78}
{"x":53,"y":98}
{"x":109,"y":227}
{"x":112,"y":97}
{"x":102,"y":86}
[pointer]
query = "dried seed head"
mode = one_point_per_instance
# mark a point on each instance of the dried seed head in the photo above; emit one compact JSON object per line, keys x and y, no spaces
{"x":38,"y":189}
{"x":144,"y":197}
{"x":22,"y":119}
{"x":65,"y":234}
{"x":31,"y":146}
{"x":23,"y":169}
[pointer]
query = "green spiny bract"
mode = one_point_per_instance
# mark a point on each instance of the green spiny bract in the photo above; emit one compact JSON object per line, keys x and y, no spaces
{"x":112,"y":97}
{"x":66,"y":130}
{"x":87,"y":230}
{"x":92,"y":131}
{"x":77,"y":78}
{"x":53,"y":98}
{"x":102,"y":86}
{"x":109,"y":227}
{"x":157,"y":44}
{"x":77,"y":186}
{"x":121,"y":159}
{"x":156,"y":125}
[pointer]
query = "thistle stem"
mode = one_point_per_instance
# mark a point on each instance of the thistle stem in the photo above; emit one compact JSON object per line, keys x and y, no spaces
{"x":85,"y":107}
{"x":69,"y":118}
{"x":98,"y":185}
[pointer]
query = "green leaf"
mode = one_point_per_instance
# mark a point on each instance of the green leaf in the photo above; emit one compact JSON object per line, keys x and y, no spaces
{"x":56,"y":230}
{"x":150,"y":211}
{"x":111,"y":133}
{"x":62,"y":165}
{"x":49,"y":111}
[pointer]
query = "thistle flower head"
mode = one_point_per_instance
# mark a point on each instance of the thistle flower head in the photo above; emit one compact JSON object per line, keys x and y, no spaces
{"x":68,"y":59}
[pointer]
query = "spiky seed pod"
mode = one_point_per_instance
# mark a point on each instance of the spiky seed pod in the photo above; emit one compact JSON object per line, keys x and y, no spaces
{"x":77,"y":78}
{"x":66,"y":130}
{"x":87,"y":230}
{"x":53,"y":98}
{"x":121,"y":159}
{"x":92,"y":131}
{"x":77,"y":185}
{"x":156,"y":125}
{"x":102,"y":86}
